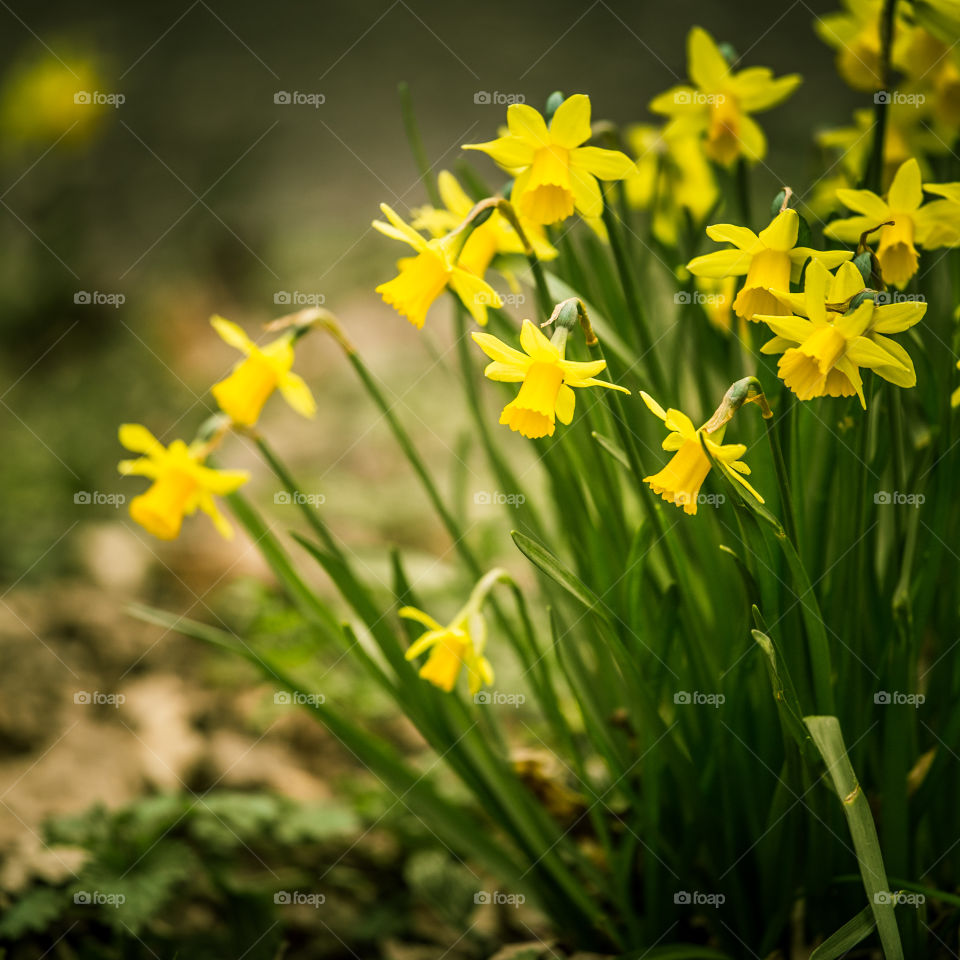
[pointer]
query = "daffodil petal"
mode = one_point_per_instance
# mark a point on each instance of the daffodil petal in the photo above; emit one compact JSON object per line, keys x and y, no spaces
{"x":570,"y":125}
{"x":906,"y":190}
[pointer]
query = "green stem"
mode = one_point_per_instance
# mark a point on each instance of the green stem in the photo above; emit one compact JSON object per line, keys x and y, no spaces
{"x":873,"y":179}
{"x":637,"y":316}
{"x":416,"y":144}
{"x":783,"y":483}
{"x":286,"y":478}
{"x":415,"y":461}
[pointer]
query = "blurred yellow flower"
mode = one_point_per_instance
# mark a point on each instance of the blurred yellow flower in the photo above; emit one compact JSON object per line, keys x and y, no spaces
{"x":770,"y":260}
{"x":932,"y":69}
{"x":824,"y":348}
{"x":457,"y":645}
{"x":672,"y":176}
{"x":494,"y":237}
{"x":181,"y":483}
{"x":716,"y":297}
{"x":719,"y":104}
{"x":855,"y":34}
{"x":48,"y":98}
{"x":435,"y":267}
{"x":680,"y":480}
{"x":553,"y":173}
{"x":243,"y":393}
{"x":907,"y":135}
{"x":546,"y":395}
{"x":909,"y":223}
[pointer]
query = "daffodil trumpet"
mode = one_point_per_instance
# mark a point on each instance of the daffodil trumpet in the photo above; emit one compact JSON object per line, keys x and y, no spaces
{"x":458,"y":645}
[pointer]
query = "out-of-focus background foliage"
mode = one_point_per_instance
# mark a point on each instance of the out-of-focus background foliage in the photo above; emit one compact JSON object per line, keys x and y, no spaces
{"x":198,"y":194}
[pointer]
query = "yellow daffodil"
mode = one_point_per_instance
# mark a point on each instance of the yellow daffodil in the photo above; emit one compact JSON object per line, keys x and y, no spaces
{"x":716,"y":297}
{"x":909,"y":224}
{"x":435,"y":267}
{"x":770,"y":260}
{"x":553,"y":173}
{"x":855,"y":34}
{"x":548,"y":380}
{"x":824,"y":349}
{"x":947,"y":233}
{"x":672,"y":176}
{"x":680,"y":480}
{"x":181,"y":483}
{"x":932,"y":69}
{"x":243,"y":393}
{"x":493,"y":238}
{"x":459,"y":644}
{"x":719,"y":103}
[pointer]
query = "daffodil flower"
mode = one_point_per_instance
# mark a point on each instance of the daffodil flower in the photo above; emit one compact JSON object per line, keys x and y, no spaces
{"x":493,"y":238}
{"x":435,"y":267}
{"x":548,"y":380}
{"x":770,"y":261}
{"x":553,"y":173}
{"x":909,"y":223}
{"x":855,"y":34}
{"x":181,"y":483}
{"x":459,"y":644}
{"x":824,"y":349}
{"x":680,"y":480}
{"x":673,"y":175}
{"x":243,"y":393}
{"x":719,"y":104}
{"x":907,"y":135}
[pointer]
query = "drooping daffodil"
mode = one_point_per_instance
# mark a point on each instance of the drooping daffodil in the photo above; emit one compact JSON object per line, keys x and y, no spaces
{"x":547,"y":379}
{"x":242,"y":394}
{"x":435,"y":267}
{"x":181,"y":483}
{"x":680,"y":480}
{"x":458,"y":645}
